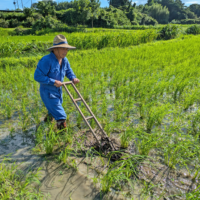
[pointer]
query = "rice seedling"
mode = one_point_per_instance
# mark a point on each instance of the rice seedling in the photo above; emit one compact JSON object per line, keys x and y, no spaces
{"x":146,"y":142}
{"x":125,"y":138}
{"x":121,"y":172}
{"x":181,"y":152}
{"x":24,"y":121}
{"x":14,"y":184}
{"x":65,"y":154}
{"x":194,"y":194}
{"x":155,"y":115}
{"x":51,"y":139}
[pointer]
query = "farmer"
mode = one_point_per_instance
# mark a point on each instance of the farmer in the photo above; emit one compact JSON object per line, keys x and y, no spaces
{"x":50,"y":72}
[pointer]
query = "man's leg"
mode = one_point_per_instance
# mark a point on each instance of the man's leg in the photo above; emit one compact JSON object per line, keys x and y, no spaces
{"x":53,"y":103}
{"x":61,"y":124}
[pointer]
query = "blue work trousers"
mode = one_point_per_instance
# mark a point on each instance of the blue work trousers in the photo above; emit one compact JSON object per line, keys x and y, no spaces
{"x":53,"y":101}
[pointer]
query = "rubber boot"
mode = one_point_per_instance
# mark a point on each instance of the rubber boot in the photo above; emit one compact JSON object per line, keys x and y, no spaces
{"x":48,"y":118}
{"x":61,"y":124}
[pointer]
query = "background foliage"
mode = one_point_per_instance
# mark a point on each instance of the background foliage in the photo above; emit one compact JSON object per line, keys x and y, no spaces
{"x":89,"y":12}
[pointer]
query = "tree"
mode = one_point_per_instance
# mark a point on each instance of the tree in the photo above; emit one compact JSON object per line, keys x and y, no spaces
{"x":64,"y":5}
{"x":190,"y":14}
{"x":69,"y":16}
{"x":112,"y":16}
{"x":82,"y":9}
{"x":45,"y":22}
{"x":161,"y":14}
{"x":45,"y":8}
{"x":120,"y":3}
{"x":28,"y":12}
{"x":195,"y":8}
{"x":176,"y":9}
{"x":94,"y":10}
{"x":150,"y":2}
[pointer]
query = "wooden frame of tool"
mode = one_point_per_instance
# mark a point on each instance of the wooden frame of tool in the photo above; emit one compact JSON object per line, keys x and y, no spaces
{"x":88,"y":108}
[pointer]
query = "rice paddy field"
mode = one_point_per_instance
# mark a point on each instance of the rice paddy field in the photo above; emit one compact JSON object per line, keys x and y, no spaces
{"x":145,"y":93}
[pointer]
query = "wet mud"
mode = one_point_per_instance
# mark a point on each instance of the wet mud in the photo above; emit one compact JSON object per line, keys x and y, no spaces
{"x":170,"y":183}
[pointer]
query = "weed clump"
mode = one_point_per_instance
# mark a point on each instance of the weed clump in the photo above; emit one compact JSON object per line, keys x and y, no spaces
{"x":169,"y":32}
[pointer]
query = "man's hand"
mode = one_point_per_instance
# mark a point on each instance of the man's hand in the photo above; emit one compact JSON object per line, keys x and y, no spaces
{"x":58,"y":83}
{"x":75,"y":80}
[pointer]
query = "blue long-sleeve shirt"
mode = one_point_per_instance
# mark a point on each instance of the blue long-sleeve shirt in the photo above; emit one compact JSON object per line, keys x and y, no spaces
{"x":48,"y":70}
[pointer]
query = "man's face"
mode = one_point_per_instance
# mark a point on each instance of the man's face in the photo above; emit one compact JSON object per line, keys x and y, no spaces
{"x":60,"y":52}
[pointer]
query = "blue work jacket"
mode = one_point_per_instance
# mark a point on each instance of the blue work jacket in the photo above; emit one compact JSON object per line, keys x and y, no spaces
{"x":48,"y":70}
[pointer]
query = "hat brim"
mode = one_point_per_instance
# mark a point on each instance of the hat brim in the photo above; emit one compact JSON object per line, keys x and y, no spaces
{"x":61,"y":45}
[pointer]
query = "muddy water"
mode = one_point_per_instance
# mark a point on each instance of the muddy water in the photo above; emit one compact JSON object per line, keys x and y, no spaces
{"x":170,"y":183}
{"x":60,"y":182}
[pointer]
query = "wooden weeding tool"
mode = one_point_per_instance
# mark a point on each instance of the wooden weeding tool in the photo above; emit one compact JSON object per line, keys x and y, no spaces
{"x":87,"y":118}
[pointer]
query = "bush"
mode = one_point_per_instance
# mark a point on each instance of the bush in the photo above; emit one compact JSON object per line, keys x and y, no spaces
{"x":169,"y":32}
{"x":111,"y":16}
{"x":188,"y":21}
{"x":29,"y":22}
{"x":45,"y":22}
{"x":37,"y":16}
{"x":197,"y":21}
{"x":134,"y":23}
{"x":174,"y":21}
{"x":4,"y":23}
{"x":19,"y":16}
{"x":14,"y":23}
{"x":147,"y":20}
{"x":18,"y":31}
{"x":2,"y":15}
{"x":193,"y":30}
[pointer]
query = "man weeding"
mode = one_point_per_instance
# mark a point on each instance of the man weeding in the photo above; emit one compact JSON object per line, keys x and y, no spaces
{"x":50,"y":73}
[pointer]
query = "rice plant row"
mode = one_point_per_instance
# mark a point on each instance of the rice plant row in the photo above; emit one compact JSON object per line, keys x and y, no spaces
{"x":19,"y":45}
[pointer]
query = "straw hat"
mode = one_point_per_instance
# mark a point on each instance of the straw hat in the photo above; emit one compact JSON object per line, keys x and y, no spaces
{"x":60,"y":41}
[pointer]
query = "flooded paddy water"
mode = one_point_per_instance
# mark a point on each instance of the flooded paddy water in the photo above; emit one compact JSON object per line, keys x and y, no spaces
{"x":80,"y":177}
{"x":58,"y":180}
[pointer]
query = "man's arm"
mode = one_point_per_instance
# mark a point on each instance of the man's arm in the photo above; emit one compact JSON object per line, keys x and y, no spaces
{"x":70,"y":74}
{"x":41,"y":72}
